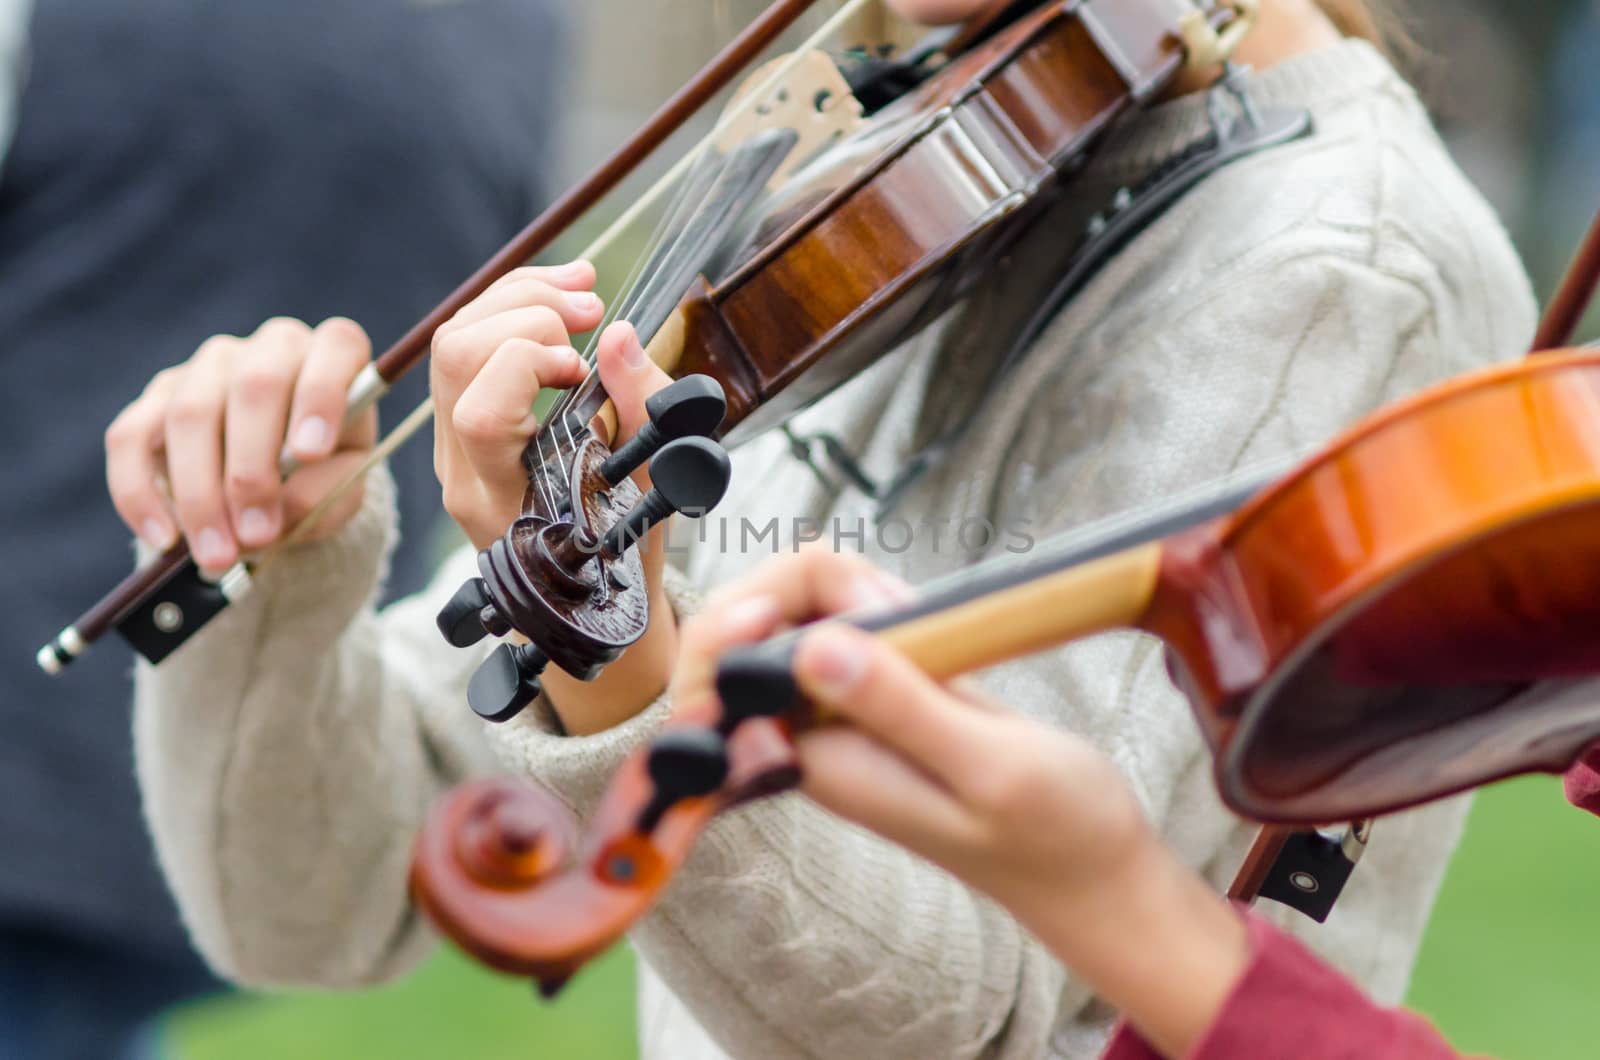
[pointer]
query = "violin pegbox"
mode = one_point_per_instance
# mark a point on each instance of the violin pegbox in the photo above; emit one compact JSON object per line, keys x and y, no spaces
{"x":566,"y":575}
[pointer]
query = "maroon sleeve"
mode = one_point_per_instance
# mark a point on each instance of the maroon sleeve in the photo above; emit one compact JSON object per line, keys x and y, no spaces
{"x":1291,"y":1004}
{"x":1583,"y":782}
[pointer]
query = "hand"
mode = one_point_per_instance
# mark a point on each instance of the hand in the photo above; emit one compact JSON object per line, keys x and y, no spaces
{"x":197,"y":452}
{"x":489,"y":363}
{"x":1023,"y":811}
{"x":1030,"y":814}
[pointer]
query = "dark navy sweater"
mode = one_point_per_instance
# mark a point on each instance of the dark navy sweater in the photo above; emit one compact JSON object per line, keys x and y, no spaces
{"x":183,"y":168}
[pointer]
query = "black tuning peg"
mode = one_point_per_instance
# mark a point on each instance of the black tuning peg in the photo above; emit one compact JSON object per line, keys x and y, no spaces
{"x":683,"y":764}
{"x":691,"y":407}
{"x":689,"y":475}
{"x":471,"y":615}
{"x":507,"y":682}
{"x":757,"y":681}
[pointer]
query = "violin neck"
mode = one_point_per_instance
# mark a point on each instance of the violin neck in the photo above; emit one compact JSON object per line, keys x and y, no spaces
{"x":1100,"y":577}
{"x":716,"y":195}
{"x":1111,"y":592}
{"x":596,"y":409}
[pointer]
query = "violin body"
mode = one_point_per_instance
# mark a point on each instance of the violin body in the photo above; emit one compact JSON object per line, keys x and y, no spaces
{"x":1353,"y":637}
{"x":872,"y":240}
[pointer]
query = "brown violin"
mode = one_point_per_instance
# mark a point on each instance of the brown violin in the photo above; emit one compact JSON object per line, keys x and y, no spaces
{"x":1357,"y":635}
{"x":802,"y":286}
{"x":806,"y":241}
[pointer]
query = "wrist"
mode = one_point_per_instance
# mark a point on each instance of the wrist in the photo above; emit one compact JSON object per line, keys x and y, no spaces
{"x":626,"y":687}
{"x":1155,"y":941}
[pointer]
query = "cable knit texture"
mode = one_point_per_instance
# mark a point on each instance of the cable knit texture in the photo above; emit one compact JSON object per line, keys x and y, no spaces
{"x":288,"y":753}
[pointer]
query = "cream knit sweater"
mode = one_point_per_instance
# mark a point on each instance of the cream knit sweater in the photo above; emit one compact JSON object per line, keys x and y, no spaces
{"x":289,"y":753}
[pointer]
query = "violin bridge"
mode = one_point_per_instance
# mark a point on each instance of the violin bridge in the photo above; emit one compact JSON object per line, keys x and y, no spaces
{"x":814,"y":100}
{"x":1205,"y":46}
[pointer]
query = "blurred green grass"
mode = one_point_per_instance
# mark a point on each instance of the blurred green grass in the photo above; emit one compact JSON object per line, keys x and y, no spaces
{"x":1508,"y":965}
{"x":1507,"y":970}
{"x":449,"y":1008}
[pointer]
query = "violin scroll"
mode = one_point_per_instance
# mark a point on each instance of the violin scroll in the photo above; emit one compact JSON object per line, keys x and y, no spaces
{"x":497,"y":867}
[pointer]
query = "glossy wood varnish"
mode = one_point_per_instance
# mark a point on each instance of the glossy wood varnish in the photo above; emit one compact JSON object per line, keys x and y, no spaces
{"x":1379,"y":605}
{"x":1351,"y":640}
{"x":885,"y":231}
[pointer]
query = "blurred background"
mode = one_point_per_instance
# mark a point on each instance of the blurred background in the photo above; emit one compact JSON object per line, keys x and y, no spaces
{"x":1507,"y":969}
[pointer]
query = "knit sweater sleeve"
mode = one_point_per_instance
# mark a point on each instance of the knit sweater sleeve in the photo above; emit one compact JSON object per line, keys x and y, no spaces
{"x":287,"y":754}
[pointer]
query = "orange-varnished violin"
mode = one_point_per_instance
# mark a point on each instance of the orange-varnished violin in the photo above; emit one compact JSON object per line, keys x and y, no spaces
{"x":1357,"y":635}
{"x":1356,"y":638}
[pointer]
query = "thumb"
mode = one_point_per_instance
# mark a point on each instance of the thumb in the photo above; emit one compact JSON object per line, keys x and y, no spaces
{"x":866,"y":683}
{"x":629,"y":376}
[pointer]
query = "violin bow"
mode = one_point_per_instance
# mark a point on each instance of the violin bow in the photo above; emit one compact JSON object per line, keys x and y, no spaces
{"x":174,"y":572}
{"x":1573,"y":296}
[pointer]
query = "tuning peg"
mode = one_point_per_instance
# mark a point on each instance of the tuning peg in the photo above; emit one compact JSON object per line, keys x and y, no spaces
{"x":757,"y":681}
{"x":471,"y":615}
{"x":689,"y":475}
{"x":683,"y":763}
{"x":693,"y":406}
{"x":507,"y":682}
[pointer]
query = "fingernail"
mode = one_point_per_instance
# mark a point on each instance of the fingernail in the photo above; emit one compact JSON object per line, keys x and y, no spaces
{"x":834,"y":662}
{"x":567,"y":353}
{"x":211,"y":549}
{"x":584,"y":302}
{"x":255,"y":526}
{"x":898,"y":592}
{"x":156,"y":534}
{"x":750,"y":618}
{"x":868,"y":591}
{"x":633,"y":354}
{"x":311,"y":436}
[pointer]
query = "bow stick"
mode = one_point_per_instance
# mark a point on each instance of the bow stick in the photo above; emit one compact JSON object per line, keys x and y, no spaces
{"x":135,"y":591}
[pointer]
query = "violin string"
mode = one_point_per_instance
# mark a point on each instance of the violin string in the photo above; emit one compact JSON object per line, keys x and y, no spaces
{"x":548,"y":443}
{"x":684,"y":204}
{"x":543,"y":474}
{"x":423,"y":413}
{"x":620,"y":307}
{"x":549,"y":452}
{"x":735,"y":112}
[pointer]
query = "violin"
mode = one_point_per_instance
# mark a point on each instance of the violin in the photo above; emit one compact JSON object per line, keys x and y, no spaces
{"x":1357,"y":635}
{"x":800,"y":288}
{"x":1355,"y":638}
{"x":805,"y":242}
